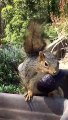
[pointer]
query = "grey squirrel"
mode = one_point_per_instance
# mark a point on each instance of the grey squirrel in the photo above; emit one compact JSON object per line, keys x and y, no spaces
{"x":38,"y":63}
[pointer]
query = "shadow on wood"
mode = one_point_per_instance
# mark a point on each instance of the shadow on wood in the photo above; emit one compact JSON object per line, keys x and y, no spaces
{"x":14,"y":107}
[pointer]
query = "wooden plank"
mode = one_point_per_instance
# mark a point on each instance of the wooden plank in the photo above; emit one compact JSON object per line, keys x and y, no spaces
{"x":38,"y":104}
{"x":27,"y":115}
{"x":14,"y":107}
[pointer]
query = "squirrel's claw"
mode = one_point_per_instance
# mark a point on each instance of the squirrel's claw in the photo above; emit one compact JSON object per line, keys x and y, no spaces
{"x":28,"y":96}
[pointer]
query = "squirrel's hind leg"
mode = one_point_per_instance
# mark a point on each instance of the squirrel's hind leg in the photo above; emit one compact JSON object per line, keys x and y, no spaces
{"x":56,"y":93}
{"x":28,"y":95}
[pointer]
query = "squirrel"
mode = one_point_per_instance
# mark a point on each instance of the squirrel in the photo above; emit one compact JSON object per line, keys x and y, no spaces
{"x":38,"y":63}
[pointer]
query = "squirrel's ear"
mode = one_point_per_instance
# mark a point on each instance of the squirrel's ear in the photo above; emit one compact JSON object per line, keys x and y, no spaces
{"x":41,"y":56}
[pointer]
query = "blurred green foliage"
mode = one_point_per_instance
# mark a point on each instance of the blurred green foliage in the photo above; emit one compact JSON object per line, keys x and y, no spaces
{"x":9,"y":88}
{"x":15,"y":25}
{"x":10,"y":57}
{"x":18,"y":13}
{"x":50,"y":31}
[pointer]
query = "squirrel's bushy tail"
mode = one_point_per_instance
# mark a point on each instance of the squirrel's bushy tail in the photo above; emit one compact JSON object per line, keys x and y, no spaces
{"x":34,"y":41}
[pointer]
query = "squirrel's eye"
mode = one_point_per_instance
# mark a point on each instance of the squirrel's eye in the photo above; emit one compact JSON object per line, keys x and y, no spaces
{"x":46,"y":64}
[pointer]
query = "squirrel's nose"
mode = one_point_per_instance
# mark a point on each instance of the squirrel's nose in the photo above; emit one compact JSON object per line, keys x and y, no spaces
{"x":55,"y":72}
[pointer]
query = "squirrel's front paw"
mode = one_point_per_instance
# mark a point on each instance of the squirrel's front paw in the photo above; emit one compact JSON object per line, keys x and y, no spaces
{"x":28,"y":96}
